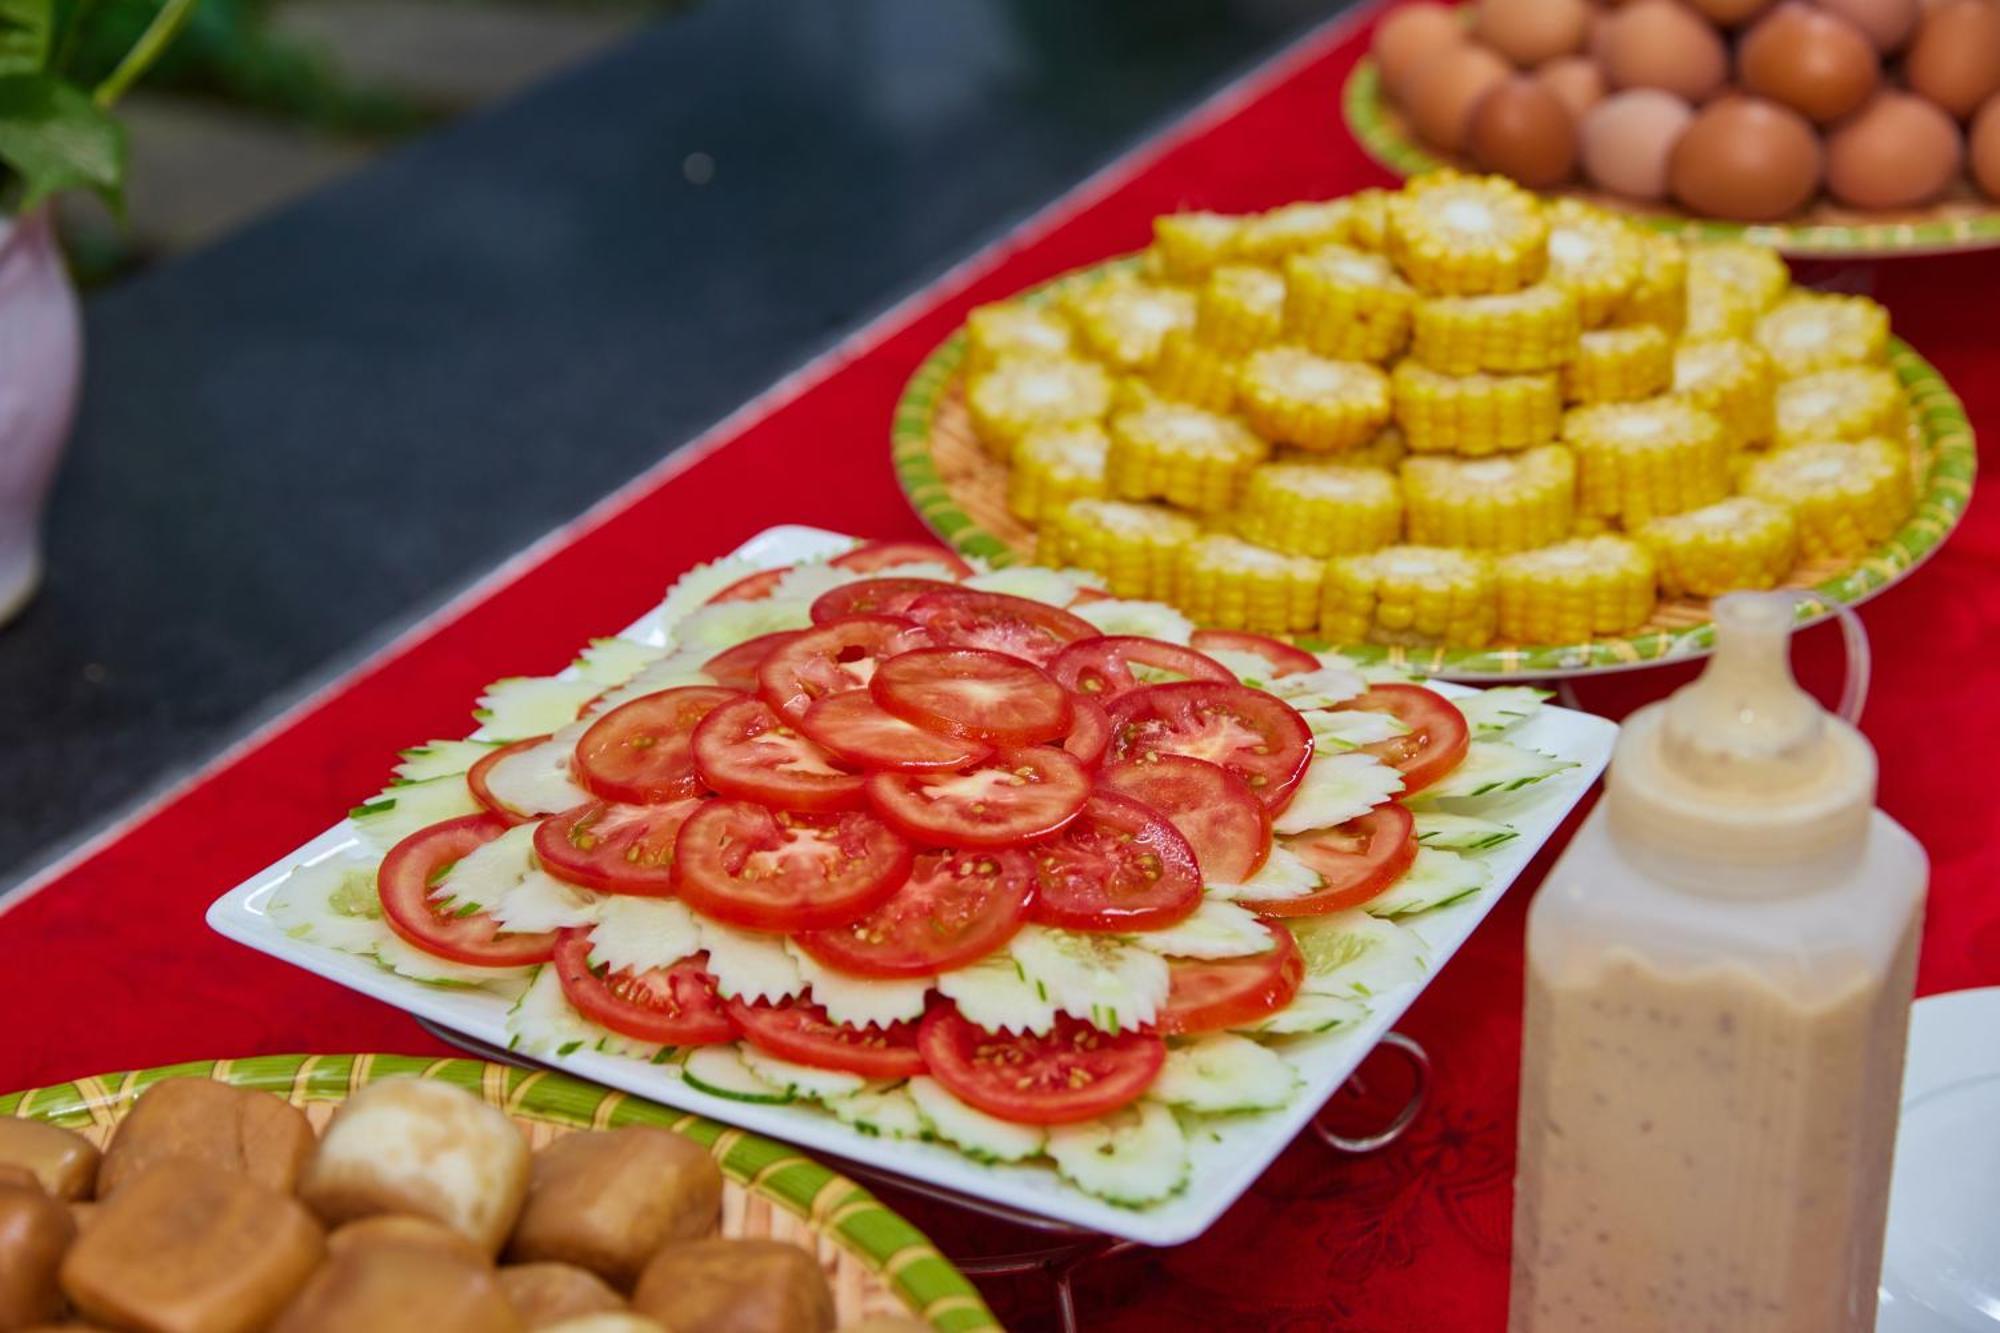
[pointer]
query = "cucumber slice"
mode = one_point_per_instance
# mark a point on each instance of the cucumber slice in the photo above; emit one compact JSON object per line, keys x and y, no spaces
{"x":333,"y":903}
{"x":485,"y":874}
{"x":1223,"y":1073}
{"x":1283,"y":875}
{"x":1493,"y":768}
{"x":880,"y":1112}
{"x":1461,"y":833}
{"x":1152,"y":620}
{"x":1435,"y":878}
{"x":1381,"y":673}
{"x":522,"y":706}
{"x":1253,"y":669}
{"x":540,"y":901}
{"x":1355,"y":955}
{"x":1490,"y":712}
{"x":982,"y":1137}
{"x":749,"y":965}
{"x":1035,"y":582}
{"x":1101,"y":979}
{"x":1318,"y":689}
{"x":1308,"y":1013}
{"x":1336,"y":729}
{"x":813,"y":579}
{"x":536,"y":781}
{"x":642,"y":933}
{"x":996,"y":994}
{"x":726,"y":624}
{"x":669,"y":672}
{"x":721,"y":1072}
{"x":441,"y":759}
{"x":543,"y":1023}
{"x":800,"y":1080}
{"x":406,"y":960}
{"x":615,"y":660}
{"x":860,"y":1001}
{"x":691,"y":591}
{"x":1132,"y":1157}
{"x":398,"y":811}
{"x":1337,"y":788}
{"x":1218,"y":929}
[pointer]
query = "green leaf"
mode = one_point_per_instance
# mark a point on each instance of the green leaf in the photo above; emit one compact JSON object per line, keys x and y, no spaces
{"x":55,"y":139}
{"x":25,"y":26}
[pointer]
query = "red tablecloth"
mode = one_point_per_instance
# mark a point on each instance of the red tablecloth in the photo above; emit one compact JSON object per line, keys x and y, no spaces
{"x":110,"y":967}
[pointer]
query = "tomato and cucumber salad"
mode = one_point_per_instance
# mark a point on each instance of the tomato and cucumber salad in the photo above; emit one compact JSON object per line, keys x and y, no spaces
{"x":1257,"y":736}
{"x":1074,"y":1072}
{"x":668,"y":1006}
{"x":1436,"y":741}
{"x":800,"y":1031}
{"x":412,"y":872}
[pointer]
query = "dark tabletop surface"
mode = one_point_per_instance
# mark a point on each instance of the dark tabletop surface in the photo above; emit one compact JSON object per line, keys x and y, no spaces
{"x":301,"y":439}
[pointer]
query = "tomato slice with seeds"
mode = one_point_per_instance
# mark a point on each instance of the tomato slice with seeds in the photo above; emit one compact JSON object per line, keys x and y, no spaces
{"x":1117,"y":866}
{"x":832,"y":658}
{"x":743,"y":749}
{"x":772,"y":870}
{"x":615,"y":848}
{"x":955,"y":908}
{"x":1101,"y":668}
{"x":973,"y":693}
{"x":1257,"y":736}
{"x":753,"y":587}
{"x":641,"y":752}
{"x":999,"y":622}
{"x":1014,"y":797}
{"x":736,"y":668}
{"x":1073,"y":1073}
{"x":413,"y":868}
{"x":1089,"y":732}
{"x":871,"y":556}
{"x":800,"y":1031}
{"x":874,"y":597}
{"x":475,"y":778}
{"x":1211,"y":995}
{"x":1285,"y":659}
{"x":667,"y":1006}
{"x":1358,"y":861}
{"x":1221,"y":818}
{"x":857,"y":729}
{"x":1437,"y":738}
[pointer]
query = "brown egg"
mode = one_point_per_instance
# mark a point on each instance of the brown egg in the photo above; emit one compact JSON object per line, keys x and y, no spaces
{"x":1897,"y":152}
{"x":1528,"y":32}
{"x":1661,"y":44}
{"x":1955,"y":57}
{"x":1886,"y":23}
{"x":1520,"y":129}
{"x":1746,"y":159}
{"x":1816,"y":63}
{"x":1730,"y":13}
{"x":1576,"y":81}
{"x":1444,"y":88}
{"x":1627,"y":138}
{"x":1983,"y":148}
{"x":1407,"y":36}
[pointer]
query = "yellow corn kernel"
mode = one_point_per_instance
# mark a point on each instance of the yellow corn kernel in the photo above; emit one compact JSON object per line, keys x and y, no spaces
{"x":1229,"y":583}
{"x":1194,"y":459}
{"x":1368,"y":218}
{"x":1188,"y":245}
{"x":1287,"y":394}
{"x":1123,"y":324}
{"x":1597,"y":256}
{"x":1011,"y":328}
{"x":1241,"y":308}
{"x":1532,"y":329}
{"x":1190,"y":371}
{"x":1731,"y":378}
{"x":1056,"y":464}
{"x":1467,"y":235}
{"x":1131,"y":393}
{"x":1635,"y":461}
{"x":1659,"y":295}
{"x":1509,"y":503}
{"x":1850,"y":403}
{"x":1592,"y":525}
{"x":1620,"y":365}
{"x":1410,"y":595}
{"x":1734,"y":545}
{"x":1320,"y":510}
{"x":1473,"y":414}
{"x":1808,"y":332}
{"x":1346,"y":304}
{"x":1846,"y":495}
{"x":1022,"y":393}
{"x":1131,"y":546}
{"x":1386,"y":452}
{"x":1268,"y":237}
{"x":1718,"y":313}
{"x":1755,"y":273}
{"x":1575,"y":591}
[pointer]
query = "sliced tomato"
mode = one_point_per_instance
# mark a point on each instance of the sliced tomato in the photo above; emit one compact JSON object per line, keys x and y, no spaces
{"x":970,"y":692}
{"x":857,"y":729}
{"x":1101,"y":668}
{"x":615,"y":848}
{"x":752,"y":588}
{"x":668,"y":1006}
{"x":1085,"y":596}
{"x":744,"y":749}
{"x":736,"y":668}
{"x":873,"y":556}
{"x":800,"y":1031}
{"x":1221,"y":818}
{"x":1117,"y":866}
{"x":1074,"y":1073}
{"x":1437,"y":738}
{"x":874,"y":597}
{"x":1257,"y":736}
{"x":764,"y":869}
{"x":641,"y":752}
{"x":955,"y":908}
{"x":833,"y":658}
{"x":1357,"y":861}
{"x":475,"y":778}
{"x":1089,"y":732}
{"x":1209,"y":995}
{"x":1014,"y":797}
{"x":1016,"y":626}
{"x":1285,"y":659}
{"x":413,"y":868}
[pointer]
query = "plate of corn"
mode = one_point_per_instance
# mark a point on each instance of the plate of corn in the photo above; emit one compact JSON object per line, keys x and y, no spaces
{"x":1455,"y":429}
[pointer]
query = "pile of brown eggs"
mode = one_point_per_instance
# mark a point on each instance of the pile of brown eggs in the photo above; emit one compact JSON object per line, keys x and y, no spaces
{"x":1739,"y":109}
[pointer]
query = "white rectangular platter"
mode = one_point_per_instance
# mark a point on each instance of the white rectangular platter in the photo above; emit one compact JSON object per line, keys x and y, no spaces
{"x":1225,"y":1163}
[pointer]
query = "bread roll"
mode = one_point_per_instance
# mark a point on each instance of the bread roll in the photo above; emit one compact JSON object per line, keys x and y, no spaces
{"x":609,"y":1201}
{"x":63,"y":1160}
{"x":544,"y":1294}
{"x":35,"y":1233}
{"x":736,"y":1286}
{"x":233,"y":1129}
{"x":400,"y":1289}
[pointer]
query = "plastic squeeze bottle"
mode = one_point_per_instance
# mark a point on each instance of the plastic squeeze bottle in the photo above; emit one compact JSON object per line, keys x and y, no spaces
{"x":1719,"y":979}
